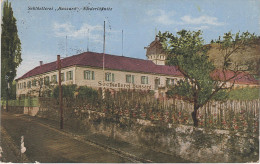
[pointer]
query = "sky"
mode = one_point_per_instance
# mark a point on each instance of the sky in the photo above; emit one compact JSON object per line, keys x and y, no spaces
{"x":43,"y":32}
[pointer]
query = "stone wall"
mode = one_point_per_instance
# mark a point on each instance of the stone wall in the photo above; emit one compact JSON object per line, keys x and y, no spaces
{"x":194,"y":144}
{"x":32,"y":111}
{"x":14,"y":109}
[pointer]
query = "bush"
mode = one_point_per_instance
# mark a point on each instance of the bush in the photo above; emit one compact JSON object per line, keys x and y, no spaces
{"x":67,"y":91}
{"x":87,"y":92}
{"x":82,"y":92}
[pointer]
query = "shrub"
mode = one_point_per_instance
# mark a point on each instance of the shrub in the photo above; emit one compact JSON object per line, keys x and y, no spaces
{"x":67,"y":91}
{"x":87,"y":92}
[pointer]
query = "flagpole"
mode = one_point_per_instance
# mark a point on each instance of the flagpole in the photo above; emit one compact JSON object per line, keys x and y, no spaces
{"x":103,"y":89}
{"x":122,"y":43}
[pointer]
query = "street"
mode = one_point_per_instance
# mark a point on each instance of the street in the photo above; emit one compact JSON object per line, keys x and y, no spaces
{"x":45,"y":142}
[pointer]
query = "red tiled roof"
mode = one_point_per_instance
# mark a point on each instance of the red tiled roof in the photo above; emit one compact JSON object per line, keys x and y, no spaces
{"x":111,"y":62}
{"x":122,"y":63}
{"x":239,"y":77}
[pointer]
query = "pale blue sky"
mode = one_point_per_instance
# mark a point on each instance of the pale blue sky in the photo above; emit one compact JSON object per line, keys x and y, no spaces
{"x":43,"y":33}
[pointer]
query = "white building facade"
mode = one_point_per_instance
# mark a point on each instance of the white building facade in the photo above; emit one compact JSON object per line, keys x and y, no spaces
{"x":119,"y":72}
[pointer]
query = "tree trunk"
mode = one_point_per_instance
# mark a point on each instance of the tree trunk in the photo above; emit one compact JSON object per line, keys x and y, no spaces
{"x":194,"y":116}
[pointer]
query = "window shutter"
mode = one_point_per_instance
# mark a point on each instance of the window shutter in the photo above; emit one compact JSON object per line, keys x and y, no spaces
{"x":93,"y":75}
{"x":113,"y":77}
{"x":133,"y":79}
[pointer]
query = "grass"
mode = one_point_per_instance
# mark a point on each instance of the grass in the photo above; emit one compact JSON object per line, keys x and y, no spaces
{"x":244,"y":94}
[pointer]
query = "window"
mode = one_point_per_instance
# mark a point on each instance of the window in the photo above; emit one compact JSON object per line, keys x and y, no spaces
{"x":89,"y":75}
{"x":110,"y":77}
{"x":144,"y":79}
{"x":54,"y":79}
{"x":24,"y":84}
{"x":29,"y":84}
{"x":156,"y":83}
{"x":46,"y":80}
{"x":62,"y":77}
{"x":130,"y":78}
{"x":159,"y":81}
{"x":169,"y":82}
{"x":34,"y":83}
{"x":69,"y":75}
{"x":41,"y":81}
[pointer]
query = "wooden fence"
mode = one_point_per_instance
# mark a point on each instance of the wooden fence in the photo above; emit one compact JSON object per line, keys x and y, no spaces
{"x":233,"y":115}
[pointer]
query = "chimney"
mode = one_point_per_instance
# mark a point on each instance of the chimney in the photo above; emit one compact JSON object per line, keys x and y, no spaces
{"x":41,"y":62}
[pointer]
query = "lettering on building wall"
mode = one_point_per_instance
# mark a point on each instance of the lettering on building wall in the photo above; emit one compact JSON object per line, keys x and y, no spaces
{"x":126,"y":86}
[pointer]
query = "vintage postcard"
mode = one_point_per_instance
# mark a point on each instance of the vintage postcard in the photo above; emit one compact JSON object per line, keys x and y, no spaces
{"x":140,"y":81}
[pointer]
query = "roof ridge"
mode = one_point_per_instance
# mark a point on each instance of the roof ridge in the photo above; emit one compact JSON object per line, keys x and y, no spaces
{"x":100,"y":53}
{"x":123,"y":56}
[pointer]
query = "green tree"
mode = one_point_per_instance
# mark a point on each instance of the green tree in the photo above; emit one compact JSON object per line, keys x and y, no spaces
{"x":230,"y":45}
{"x":187,"y":51}
{"x":10,"y":50}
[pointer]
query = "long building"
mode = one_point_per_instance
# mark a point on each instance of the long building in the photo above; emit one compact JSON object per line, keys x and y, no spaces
{"x":86,"y":69}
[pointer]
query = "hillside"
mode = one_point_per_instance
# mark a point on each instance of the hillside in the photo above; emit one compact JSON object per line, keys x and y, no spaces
{"x":251,"y":56}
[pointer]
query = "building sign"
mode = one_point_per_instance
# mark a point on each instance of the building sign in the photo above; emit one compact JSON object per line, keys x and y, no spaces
{"x":126,"y":86}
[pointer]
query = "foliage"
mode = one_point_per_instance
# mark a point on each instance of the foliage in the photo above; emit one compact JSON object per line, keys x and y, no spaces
{"x":129,"y":107}
{"x":87,"y":92}
{"x":72,"y":91}
{"x":67,"y":91}
{"x":12,"y":91}
{"x":10,"y":49}
{"x":233,"y":44}
{"x":188,"y":53}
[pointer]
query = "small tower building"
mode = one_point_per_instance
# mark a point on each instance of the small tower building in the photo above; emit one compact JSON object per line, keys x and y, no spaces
{"x":155,"y":53}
